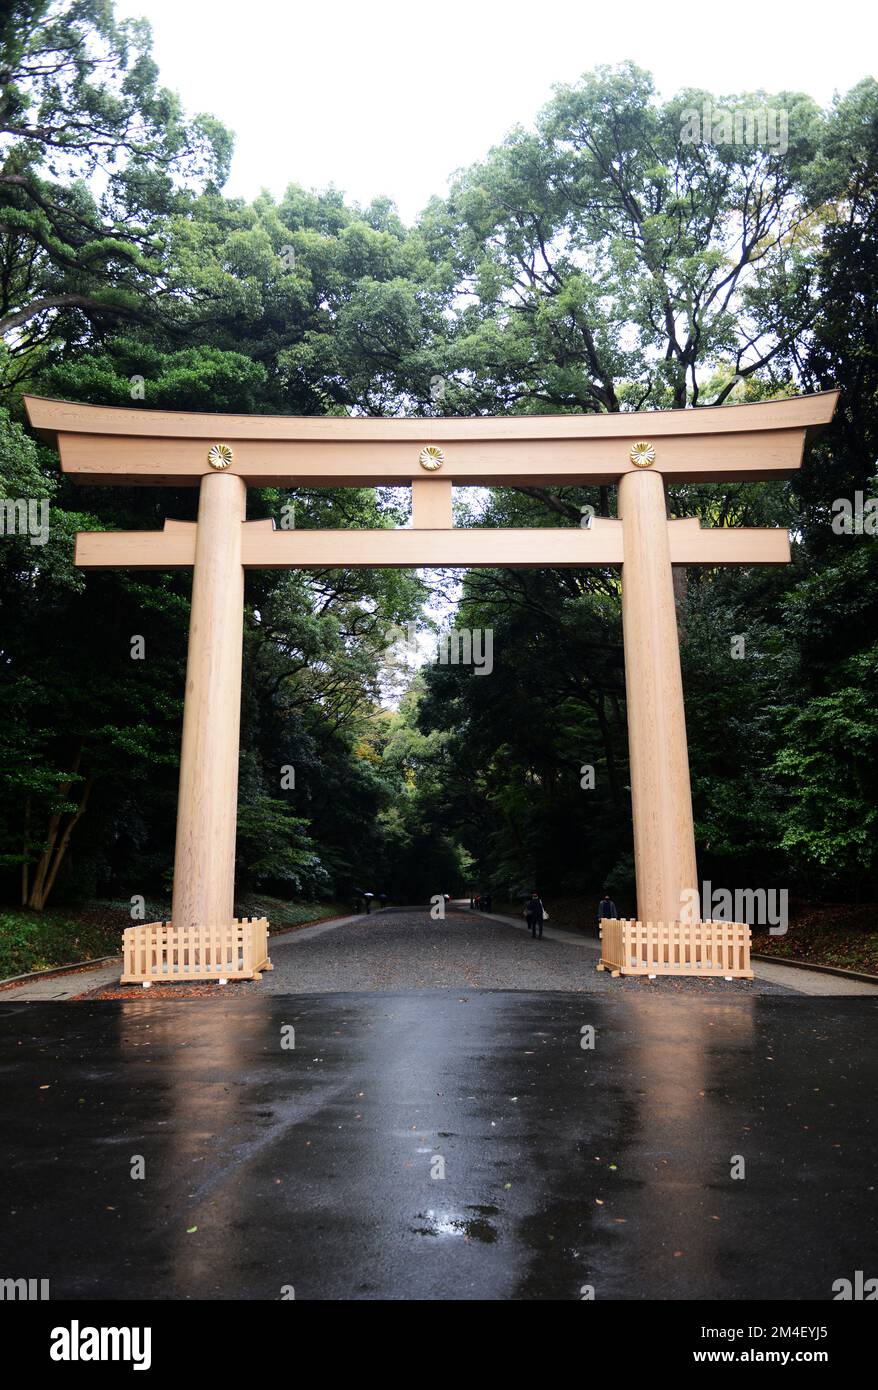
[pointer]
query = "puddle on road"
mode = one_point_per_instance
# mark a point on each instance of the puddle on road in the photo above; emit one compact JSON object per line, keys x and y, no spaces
{"x":476,"y":1227}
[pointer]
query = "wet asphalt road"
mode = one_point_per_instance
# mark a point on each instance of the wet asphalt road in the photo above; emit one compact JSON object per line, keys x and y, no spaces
{"x":311,"y":1167}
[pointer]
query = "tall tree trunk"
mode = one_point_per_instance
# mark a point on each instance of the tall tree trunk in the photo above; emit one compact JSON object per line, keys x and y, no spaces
{"x":50,"y":860}
{"x":65,"y":841}
{"x":25,"y":863}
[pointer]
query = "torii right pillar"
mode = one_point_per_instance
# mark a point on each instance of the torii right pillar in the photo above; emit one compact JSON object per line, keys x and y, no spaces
{"x":661,"y":797}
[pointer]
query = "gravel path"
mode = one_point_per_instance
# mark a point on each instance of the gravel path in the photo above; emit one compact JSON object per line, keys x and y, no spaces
{"x":407,"y":950}
{"x":403,"y":949}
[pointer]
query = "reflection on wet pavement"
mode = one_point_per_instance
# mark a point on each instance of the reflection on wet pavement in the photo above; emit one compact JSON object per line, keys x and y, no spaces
{"x":440,"y":1145}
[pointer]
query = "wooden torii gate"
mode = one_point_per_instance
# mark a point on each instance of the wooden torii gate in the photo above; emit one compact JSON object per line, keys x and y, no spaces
{"x":224,"y":454}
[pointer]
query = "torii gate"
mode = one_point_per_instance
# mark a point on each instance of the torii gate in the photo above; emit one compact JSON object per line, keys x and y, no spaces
{"x":224,"y":454}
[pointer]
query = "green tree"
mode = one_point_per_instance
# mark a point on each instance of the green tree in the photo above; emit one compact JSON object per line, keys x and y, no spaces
{"x":94,"y":158}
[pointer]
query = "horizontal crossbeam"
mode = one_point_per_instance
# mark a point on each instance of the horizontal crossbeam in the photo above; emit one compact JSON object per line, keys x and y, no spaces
{"x":479,"y":548}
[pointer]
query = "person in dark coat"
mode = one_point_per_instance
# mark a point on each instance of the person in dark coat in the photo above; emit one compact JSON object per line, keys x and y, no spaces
{"x":535,"y":913}
{"x":606,"y":907}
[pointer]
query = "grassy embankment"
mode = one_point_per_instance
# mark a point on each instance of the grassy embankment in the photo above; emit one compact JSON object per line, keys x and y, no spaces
{"x":840,"y":934}
{"x":37,"y":940}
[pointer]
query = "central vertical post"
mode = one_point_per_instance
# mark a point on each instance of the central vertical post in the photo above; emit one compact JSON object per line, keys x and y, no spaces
{"x":204,"y":867}
{"x":661,"y":796}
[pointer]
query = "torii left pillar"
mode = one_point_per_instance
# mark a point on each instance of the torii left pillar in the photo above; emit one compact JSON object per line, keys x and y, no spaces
{"x":204,"y":877}
{"x":661,"y":800}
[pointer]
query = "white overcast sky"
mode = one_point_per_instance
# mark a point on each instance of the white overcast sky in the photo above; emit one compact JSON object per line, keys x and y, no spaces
{"x":390,"y":96}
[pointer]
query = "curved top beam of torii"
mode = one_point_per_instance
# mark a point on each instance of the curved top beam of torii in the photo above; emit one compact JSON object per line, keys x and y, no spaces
{"x":758,"y":442}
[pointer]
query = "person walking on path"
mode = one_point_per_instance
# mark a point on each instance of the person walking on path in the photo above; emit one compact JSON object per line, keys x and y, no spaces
{"x":535,"y":913}
{"x":606,"y":907}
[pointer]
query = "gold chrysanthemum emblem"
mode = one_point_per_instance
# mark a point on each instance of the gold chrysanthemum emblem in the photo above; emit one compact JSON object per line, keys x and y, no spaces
{"x":642,"y":454}
{"x":431,"y":457}
{"x":220,"y":456}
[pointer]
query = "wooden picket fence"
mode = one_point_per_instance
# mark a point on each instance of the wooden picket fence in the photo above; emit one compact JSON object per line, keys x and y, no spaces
{"x":159,"y":951}
{"x":675,"y":948}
